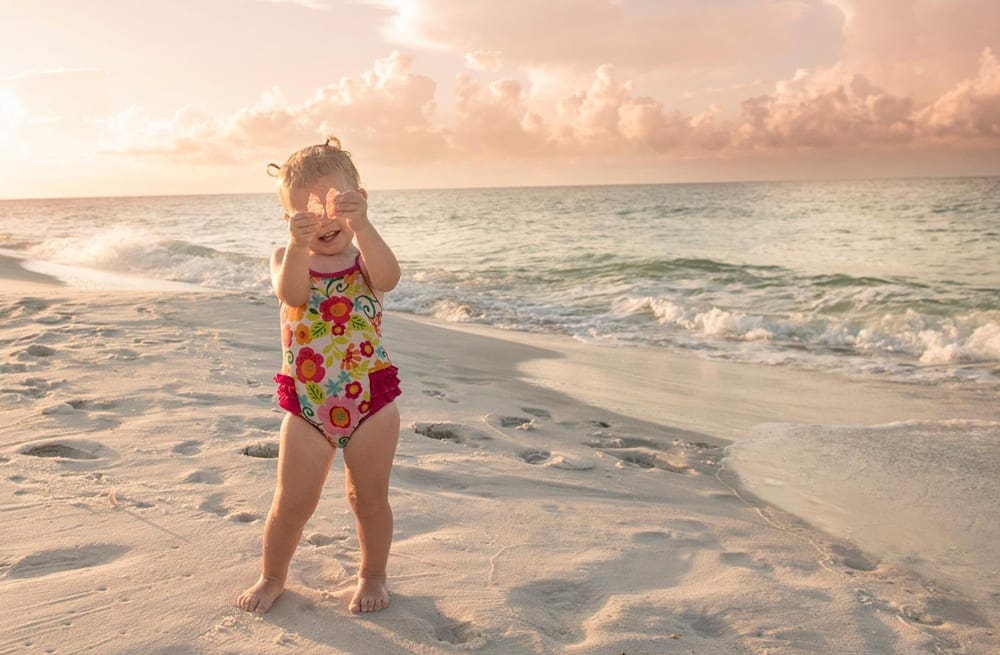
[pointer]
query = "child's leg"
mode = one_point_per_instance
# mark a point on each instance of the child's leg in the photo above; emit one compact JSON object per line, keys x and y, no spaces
{"x":304,"y":460}
{"x":368,"y":460}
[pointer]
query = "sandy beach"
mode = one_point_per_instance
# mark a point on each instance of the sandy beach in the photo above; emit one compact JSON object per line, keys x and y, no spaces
{"x":545,"y":500}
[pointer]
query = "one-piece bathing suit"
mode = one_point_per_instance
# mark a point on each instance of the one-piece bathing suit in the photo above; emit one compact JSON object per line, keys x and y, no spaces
{"x":335,"y":372}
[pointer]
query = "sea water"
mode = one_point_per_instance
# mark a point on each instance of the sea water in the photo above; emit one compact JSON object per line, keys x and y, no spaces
{"x":896,"y":279}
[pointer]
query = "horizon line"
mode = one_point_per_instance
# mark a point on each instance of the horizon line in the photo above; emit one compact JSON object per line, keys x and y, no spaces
{"x":537,"y":186}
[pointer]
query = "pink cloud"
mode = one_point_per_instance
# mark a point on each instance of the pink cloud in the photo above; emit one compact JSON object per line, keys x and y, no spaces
{"x":971,"y":109}
{"x":484,"y":60}
{"x":495,"y":121}
{"x":583,"y":34}
{"x":389,"y":115}
{"x":385,"y":110}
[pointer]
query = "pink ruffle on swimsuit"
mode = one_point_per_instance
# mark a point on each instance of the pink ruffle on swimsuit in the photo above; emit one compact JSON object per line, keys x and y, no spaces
{"x":335,"y":372}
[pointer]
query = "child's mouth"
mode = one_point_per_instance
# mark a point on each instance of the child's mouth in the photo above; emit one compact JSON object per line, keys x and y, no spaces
{"x":330,"y":236}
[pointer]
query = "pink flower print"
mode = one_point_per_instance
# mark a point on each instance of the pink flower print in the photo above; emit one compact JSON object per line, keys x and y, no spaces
{"x":353,"y":390}
{"x":338,"y":330}
{"x":336,"y":309}
{"x":338,"y":415}
{"x":352,"y":357}
{"x":367,"y":349}
{"x":309,"y":366}
{"x":363,"y":407}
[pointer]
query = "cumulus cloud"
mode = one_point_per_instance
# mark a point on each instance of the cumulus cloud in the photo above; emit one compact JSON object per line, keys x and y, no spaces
{"x":385,"y":110}
{"x":389,"y":113}
{"x":917,"y":48}
{"x":495,"y":120}
{"x":972,"y":108}
{"x":484,"y":60}
{"x":812,"y":111}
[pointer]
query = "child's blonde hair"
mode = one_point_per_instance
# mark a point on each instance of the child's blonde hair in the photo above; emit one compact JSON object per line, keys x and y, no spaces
{"x":313,"y":162}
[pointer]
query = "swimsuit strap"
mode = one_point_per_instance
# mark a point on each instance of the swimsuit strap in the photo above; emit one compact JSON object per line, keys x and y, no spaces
{"x":356,"y":264}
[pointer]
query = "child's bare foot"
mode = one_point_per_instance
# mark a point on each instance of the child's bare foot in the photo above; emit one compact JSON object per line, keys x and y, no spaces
{"x":261,"y":596}
{"x":372,"y":595}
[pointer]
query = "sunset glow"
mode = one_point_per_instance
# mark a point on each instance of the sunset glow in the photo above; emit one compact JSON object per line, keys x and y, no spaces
{"x":188,"y":97}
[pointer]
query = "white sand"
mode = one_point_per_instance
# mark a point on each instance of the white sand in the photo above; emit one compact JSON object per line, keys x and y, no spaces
{"x":598,"y":529}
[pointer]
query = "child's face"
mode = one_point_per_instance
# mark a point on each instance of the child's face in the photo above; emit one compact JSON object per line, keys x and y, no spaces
{"x":332,"y":233}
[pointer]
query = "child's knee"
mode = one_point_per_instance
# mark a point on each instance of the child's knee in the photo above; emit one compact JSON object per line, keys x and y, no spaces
{"x":292,"y":507}
{"x":366,"y":504}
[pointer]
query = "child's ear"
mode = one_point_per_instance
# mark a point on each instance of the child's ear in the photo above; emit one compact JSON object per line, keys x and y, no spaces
{"x":364,"y":194}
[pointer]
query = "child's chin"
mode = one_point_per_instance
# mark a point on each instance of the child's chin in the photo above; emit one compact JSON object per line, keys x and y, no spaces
{"x":329,"y":247}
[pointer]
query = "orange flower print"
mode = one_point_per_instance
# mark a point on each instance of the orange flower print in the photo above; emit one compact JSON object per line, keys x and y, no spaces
{"x":352,"y":357}
{"x":336,"y":309}
{"x":338,"y":330}
{"x":367,"y":349}
{"x":293,"y":314}
{"x":377,"y":323}
{"x":302,"y":335}
{"x":363,"y":407}
{"x":353,"y":390}
{"x":340,"y":416}
{"x":286,"y":335}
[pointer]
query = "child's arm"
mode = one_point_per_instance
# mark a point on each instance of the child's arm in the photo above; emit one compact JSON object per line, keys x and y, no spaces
{"x":383,"y":269}
{"x":376,"y":255}
{"x":290,"y":265}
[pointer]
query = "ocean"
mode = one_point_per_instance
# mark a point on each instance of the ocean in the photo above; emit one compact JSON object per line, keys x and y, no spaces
{"x":897,"y":279}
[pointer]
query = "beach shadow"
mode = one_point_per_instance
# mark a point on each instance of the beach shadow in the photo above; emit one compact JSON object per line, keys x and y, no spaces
{"x":409,"y":624}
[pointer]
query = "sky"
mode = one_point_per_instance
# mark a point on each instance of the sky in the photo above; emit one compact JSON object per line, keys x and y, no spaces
{"x":118,"y":97}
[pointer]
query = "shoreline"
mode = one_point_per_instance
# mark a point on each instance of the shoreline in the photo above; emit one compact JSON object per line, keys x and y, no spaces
{"x":499,"y":429}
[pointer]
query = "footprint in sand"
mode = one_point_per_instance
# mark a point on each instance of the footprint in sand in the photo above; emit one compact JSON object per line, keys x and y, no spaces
{"x":36,"y":350}
{"x":643,"y":453}
{"x":243,"y":517}
{"x":31,"y":387}
{"x":463,"y":632}
{"x":439,"y":395}
{"x":83,"y":414}
{"x":532,"y":456}
{"x":213,"y":504}
{"x":320,"y":539}
{"x":84,"y":451}
{"x":537,"y":412}
{"x":453,"y":432}
{"x":709,"y":626}
{"x":853,"y":558}
{"x":266,"y":450}
{"x":515,"y":421}
{"x":65,"y":559}
{"x":559,"y":607}
{"x":187,"y":448}
{"x":203,"y":476}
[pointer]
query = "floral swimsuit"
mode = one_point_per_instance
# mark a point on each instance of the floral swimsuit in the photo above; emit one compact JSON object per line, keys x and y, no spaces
{"x":335,"y":372}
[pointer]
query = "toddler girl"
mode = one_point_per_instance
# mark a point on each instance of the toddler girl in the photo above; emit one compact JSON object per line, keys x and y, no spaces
{"x":337,"y":382}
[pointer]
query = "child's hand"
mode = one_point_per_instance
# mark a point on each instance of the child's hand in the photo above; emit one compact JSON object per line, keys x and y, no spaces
{"x":352,"y":206}
{"x":301,"y":228}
